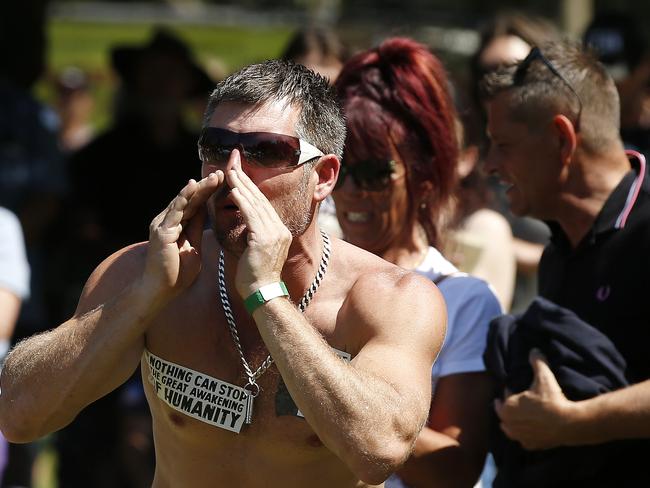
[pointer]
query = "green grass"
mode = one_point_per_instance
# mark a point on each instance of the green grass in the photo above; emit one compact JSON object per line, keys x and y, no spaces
{"x":87,"y":46}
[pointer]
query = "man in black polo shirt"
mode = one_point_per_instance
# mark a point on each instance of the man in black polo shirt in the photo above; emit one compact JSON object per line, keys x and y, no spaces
{"x":553,"y":121}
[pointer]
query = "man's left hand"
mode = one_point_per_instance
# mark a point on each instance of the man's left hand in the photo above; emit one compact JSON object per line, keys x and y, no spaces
{"x":539,"y":417}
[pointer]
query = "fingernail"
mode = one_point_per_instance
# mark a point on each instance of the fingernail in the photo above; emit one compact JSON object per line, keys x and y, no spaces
{"x":536,"y":354}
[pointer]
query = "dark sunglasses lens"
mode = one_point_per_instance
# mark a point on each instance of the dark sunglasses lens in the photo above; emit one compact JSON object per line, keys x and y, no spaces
{"x":343,"y":172}
{"x":368,"y":175}
{"x":262,"y":149}
{"x":373,"y":181}
{"x":270,"y":150}
{"x":378,"y":183}
{"x":215,"y":145}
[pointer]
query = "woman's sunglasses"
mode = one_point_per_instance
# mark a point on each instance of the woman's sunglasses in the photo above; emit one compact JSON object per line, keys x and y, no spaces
{"x":368,"y":175}
{"x":262,"y":149}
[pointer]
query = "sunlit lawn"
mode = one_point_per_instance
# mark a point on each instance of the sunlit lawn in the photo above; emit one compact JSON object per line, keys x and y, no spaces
{"x":87,"y":46}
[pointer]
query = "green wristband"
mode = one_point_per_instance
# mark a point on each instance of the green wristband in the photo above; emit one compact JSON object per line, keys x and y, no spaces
{"x":264,"y":294}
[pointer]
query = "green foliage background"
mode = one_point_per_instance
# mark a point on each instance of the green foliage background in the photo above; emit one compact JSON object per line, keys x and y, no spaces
{"x":87,"y":46}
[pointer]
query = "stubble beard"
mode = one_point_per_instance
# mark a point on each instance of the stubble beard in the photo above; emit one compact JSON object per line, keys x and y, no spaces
{"x":295,"y":212}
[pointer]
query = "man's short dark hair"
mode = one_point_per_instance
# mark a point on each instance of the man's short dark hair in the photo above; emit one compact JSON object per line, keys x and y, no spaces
{"x":321,"y":120}
{"x":540,"y":93}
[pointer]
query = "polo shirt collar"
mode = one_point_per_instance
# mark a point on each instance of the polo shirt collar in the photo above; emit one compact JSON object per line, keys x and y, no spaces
{"x":618,"y":206}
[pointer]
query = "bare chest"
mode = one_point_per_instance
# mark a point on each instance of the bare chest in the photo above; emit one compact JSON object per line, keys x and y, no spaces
{"x":195,"y":375}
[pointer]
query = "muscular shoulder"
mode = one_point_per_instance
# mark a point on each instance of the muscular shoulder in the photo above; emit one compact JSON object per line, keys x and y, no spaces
{"x":112,"y":276}
{"x":385,"y":298}
{"x":399,"y":288}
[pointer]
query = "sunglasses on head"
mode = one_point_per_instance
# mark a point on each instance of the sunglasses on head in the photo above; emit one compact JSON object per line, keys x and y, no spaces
{"x":368,"y":175}
{"x":536,"y":54}
{"x":262,"y":149}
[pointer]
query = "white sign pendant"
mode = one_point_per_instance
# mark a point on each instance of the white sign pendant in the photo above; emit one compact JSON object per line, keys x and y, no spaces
{"x":198,"y":395}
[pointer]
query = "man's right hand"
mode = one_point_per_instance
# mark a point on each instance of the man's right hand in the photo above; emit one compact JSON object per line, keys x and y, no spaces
{"x":174,"y":253}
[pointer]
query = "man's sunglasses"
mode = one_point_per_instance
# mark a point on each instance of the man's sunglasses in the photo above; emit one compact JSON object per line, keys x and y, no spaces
{"x":536,"y":54}
{"x":368,"y":175}
{"x":261,"y":149}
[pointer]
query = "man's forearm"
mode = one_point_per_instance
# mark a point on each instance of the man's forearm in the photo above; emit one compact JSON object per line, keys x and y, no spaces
{"x":359,"y":417}
{"x":50,"y":377}
{"x":621,"y":414}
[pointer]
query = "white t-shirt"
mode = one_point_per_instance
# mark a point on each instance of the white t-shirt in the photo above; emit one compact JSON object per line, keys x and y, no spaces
{"x":14,"y":270}
{"x":471,"y":305}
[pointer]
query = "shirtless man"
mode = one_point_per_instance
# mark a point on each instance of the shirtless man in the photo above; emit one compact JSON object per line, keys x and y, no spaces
{"x":348,"y":389}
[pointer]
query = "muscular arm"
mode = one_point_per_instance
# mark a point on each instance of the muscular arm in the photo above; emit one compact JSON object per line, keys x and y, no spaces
{"x":49,"y":378}
{"x":450,"y":451}
{"x":368,"y":411}
{"x":621,"y":414}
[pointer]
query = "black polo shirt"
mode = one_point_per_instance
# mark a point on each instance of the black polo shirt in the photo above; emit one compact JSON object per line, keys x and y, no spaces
{"x":605,"y":280}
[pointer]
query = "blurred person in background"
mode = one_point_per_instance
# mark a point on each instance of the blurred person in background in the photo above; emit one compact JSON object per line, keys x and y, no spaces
{"x":504,"y":39}
{"x":32,"y":173}
{"x":14,"y":289}
{"x":396,"y":184}
{"x":618,"y":40}
{"x":32,"y":170}
{"x":318,"y":49}
{"x":149,"y":141}
{"x":554,"y":122}
{"x":74,"y":104}
{"x":158,"y":79}
{"x":479,"y":241}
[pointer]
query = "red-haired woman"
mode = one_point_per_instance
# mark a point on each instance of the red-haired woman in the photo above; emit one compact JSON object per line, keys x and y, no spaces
{"x":398,"y":177}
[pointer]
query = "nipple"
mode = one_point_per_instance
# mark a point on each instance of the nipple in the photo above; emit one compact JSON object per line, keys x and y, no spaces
{"x":176,"y":419}
{"x":314,"y":441}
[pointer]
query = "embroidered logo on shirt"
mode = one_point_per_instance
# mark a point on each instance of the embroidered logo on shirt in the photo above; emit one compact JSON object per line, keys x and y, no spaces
{"x":603,"y":293}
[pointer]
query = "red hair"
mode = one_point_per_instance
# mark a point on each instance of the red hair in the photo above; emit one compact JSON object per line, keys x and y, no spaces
{"x":396,"y":100}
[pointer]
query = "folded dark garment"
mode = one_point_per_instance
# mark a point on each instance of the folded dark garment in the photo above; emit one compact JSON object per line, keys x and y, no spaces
{"x":586,"y":363}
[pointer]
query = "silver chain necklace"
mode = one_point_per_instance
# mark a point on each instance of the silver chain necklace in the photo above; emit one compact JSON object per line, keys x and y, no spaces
{"x":252,"y":387}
